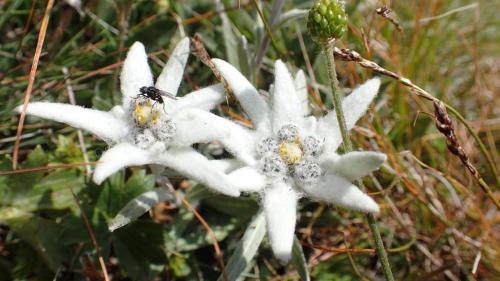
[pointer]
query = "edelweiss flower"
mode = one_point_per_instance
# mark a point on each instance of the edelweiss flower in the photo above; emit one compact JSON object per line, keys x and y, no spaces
{"x":291,"y":154}
{"x":144,"y":130}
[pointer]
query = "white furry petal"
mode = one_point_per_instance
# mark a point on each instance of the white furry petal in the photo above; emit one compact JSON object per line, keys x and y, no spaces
{"x":227,"y":165}
{"x":205,"y":99}
{"x":309,"y":124}
{"x":338,"y":190}
{"x":135,"y":73}
{"x":185,"y":161}
{"x":197,"y":167}
{"x":197,"y":126}
{"x":280,"y":208}
{"x":286,"y":108}
{"x":171,"y":75}
{"x":103,"y":124}
{"x":354,"y":106}
{"x":354,"y":165}
{"x":123,"y":155}
{"x":301,"y":89}
{"x":247,"y":179}
{"x":251,"y":101}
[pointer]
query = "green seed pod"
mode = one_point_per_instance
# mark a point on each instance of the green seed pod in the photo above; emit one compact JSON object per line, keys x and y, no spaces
{"x":327,"y":20}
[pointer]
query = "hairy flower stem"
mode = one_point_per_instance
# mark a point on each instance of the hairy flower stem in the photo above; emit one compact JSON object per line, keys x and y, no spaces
{"x":347,"y":147}
{"x":336,"y":97}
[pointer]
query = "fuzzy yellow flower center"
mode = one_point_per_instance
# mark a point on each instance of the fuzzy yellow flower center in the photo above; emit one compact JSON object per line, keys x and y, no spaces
{"x":291,"y":152}
{"x":144,"y":114}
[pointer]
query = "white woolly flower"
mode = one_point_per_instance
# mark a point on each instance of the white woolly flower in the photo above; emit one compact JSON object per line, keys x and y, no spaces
{"x":290,"y":153}
{"x":148,"y":131}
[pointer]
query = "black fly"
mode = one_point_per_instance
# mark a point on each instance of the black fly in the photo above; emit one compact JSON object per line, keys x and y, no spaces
{"x":154,"y":94}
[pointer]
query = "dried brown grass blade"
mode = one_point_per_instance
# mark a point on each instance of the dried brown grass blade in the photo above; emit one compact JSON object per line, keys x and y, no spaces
{"x":92,"y":236}
{"x":43,"y":168}
{"x":218,"y":252}
{"x":353,"y":56}
{"x":29,"y":90}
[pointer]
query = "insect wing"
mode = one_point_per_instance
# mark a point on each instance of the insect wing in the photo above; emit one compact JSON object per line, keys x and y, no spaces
{"x":166,"y":94}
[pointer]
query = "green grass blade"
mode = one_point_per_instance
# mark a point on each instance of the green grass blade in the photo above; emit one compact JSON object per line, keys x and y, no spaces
{"x":247,"y":248}
{"x":138,"y":206}
{"x":299,"y":261}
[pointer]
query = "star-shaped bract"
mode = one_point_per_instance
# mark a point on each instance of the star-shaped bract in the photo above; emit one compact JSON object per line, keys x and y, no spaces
{"x":289,"y":153}
{"x":118,"y":129}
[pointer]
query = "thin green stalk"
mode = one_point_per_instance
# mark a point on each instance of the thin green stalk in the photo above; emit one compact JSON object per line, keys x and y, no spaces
{"x":347,"y":147}
{"x":269,"y":32}
{"x":336,"y":98}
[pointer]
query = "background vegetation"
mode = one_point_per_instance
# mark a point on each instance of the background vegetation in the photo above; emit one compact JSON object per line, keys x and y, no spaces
{"x":435,"y":221}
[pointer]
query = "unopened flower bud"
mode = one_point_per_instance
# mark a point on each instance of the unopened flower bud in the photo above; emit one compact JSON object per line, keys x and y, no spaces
{"x":327,"y":20}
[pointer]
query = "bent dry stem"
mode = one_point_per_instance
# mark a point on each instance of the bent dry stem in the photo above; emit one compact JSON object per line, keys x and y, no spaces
{"x":347,"y":147}
{"x":352,"y":56}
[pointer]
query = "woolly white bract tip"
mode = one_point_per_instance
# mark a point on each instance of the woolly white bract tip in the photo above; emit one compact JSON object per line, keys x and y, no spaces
{"x":136,"y":50}
{"x":354,"y":165}
{"x":301,"y":89}
{"x":210,"y":127}
{"x":173,"y":72}
{"x":286,"y":107}
{"x":193,"y":165}
{"x":135,"y":72}
{"x":76,"y":4}
{"x":248,"y":179}
{"x":205,"y":99}
{"x":280,"y":208}
{"x":103,"y":124}
{"x":338,"y":190}
{"x":372,"y":85}
{"x":248,"y":96}
{"x":354,"y":106}
{"x":372,"y":207}
{"x":121,"y":156}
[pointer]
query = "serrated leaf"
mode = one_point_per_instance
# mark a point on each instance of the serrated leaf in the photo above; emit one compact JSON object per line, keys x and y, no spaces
{"x":241,"y":259}
{"x":299,"y":261}
{"x":139,"y":206}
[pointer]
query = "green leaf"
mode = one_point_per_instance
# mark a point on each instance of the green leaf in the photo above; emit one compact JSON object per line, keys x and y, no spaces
{"x":22,"y":183}
{"x":34,"y":191}
{"x":291,"y":15}
{"x":185,"y":217}
{"x":115,"y":194}
{"x":196,"y":236}
{"x":299,"y":261}
{"x":40,"y":233}
{"x":139,"y":206}
{"x":236,"y":207}
{"x":230,"y":41}
{"x":241,"y":260}
{"x":179,"y":265}
{"x":138,"y":248}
